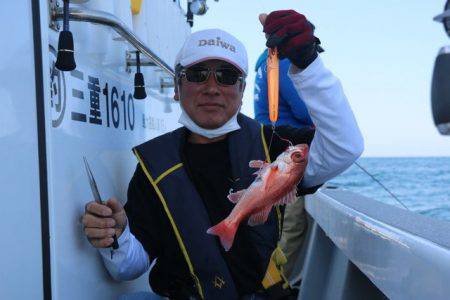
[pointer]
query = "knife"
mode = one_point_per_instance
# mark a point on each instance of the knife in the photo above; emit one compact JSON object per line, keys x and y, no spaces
{"x":97,"y":198}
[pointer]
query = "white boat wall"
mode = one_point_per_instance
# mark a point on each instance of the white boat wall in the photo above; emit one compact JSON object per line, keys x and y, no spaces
{"x":51,"y":119}
{"x":359,"y":248}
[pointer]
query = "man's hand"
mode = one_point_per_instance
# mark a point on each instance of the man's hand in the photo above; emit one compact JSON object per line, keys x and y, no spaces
{"x":293,"y":34}
{"x":101,"y":222}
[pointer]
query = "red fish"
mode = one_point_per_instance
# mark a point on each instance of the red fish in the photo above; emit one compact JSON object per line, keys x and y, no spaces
{"x":275,"y":184}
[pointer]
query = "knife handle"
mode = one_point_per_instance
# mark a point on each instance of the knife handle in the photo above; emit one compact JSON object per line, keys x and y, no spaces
{"x":115,"y":244}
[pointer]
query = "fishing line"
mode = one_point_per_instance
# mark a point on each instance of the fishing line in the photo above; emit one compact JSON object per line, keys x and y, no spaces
{"x":376,"y":180}
{"x":271,"y":136}
{"x":279,"y":136}
{"x":283,"y":139}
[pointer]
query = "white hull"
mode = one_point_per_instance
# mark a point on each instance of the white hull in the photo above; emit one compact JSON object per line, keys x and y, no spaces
{"x":47,"y":127}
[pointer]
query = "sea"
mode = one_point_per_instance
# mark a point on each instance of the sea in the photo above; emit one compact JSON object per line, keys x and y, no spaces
{"x":422,"y":184}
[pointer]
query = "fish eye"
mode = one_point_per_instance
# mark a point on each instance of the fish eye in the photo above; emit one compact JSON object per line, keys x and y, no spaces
{"x":296,"y":155}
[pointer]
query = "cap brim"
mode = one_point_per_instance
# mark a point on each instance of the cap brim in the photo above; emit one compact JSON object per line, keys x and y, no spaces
{"x":193,"y":61}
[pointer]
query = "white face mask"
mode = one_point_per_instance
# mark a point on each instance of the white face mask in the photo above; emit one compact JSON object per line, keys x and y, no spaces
{"x":229,"y":126}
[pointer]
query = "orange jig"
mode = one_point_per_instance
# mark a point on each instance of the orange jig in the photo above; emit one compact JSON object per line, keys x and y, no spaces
{"x":272,"y":83}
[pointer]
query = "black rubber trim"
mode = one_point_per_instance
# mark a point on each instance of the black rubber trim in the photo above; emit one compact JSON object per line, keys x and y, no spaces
{"x":42,"y":151}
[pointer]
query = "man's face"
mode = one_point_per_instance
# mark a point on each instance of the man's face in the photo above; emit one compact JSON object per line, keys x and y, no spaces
{"x":210,"y":104}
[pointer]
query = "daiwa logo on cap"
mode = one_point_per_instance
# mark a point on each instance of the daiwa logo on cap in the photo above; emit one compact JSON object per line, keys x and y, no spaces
{"x":217,"y":42}
{"x":212,"y":44}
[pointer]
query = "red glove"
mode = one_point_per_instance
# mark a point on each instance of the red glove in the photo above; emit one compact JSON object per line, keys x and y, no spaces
{"x":293,"y":35}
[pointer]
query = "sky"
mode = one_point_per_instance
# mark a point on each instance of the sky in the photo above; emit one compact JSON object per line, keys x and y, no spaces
{"x":382,"y":51}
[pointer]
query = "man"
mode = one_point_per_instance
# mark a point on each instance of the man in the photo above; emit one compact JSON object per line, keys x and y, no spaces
{"x":181,"y":184}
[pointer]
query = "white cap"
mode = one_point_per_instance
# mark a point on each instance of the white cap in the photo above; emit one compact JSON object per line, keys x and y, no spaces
{"x":213,"y":44}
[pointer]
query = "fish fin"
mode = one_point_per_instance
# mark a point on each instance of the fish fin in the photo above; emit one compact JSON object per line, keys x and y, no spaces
{"x":226,"y":232}
{"x":257,"y":164}
{"x":236,"y":196}
{"x":260,"y":217}
{"x":288,"y":198}
{"x":270,"y":176}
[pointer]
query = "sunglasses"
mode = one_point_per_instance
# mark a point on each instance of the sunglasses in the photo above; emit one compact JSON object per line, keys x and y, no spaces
{"x":224,"y":76}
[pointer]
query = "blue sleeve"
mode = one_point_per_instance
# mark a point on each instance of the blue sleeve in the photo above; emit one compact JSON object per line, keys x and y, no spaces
{"x":289,"y":95}
{"x":260,"y":104}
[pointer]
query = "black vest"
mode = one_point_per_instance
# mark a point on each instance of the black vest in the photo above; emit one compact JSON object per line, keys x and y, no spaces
{"x":161,"y":160}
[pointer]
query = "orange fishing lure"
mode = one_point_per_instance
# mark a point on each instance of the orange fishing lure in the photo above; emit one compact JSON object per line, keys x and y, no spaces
{"x":272,"y":83}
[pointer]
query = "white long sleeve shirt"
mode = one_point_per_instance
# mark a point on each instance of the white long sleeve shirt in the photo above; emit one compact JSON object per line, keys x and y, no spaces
{"x":337,"y":143}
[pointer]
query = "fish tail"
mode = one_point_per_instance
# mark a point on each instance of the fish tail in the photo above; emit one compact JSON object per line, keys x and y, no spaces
{"x":225,"y":231}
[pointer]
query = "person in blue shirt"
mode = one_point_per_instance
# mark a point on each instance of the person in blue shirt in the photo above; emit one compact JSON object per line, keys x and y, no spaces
{"x":292,"y":112}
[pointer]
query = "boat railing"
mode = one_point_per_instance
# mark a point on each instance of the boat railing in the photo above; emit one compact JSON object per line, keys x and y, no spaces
{"x":110,"y":20}
{"x":360,"y":248}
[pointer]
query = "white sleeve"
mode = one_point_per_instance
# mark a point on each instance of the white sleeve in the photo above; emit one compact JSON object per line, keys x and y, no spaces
{"x":129,"y":261}
{"x":337,"y":142}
